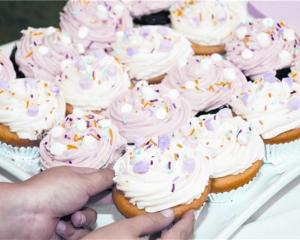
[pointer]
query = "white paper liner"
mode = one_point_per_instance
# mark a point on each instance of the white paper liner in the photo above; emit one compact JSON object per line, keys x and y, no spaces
{"x":233,"y":195}
{"x":279,"y":154}
{"x":27,"y":158}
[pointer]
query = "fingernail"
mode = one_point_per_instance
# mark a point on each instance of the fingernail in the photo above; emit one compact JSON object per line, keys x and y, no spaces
{"x":60,"y":227}
{"x":82,"y":218}
{"x":79,"y":219}
{"x":168,"y":213}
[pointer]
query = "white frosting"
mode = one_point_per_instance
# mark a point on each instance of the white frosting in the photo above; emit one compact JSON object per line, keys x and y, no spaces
{"x":151,"y":51}
{"x":92,"y":81}
{"x":29,"y":107}
{"x":208,"y":22}
{"x":155,"y":178}
{"x":230,"y":141}
{"x":295,"y":72}
{"x":271,"y":106}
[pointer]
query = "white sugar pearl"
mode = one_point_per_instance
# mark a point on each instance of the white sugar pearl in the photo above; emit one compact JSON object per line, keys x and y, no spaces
{"x":241,"y":32}
{"x":289,"y":34}
{"x":81,"y":125}
{"x":89,"y":141}
{"x":148,"y":93}
{"x":205,"y":64}
{"x":161,"y":113}
{"x":268,"y":22}
{"x":247,"y":54}
{"x":57,"y":148}
{"x":77,"y":112}
{"x":65,"y":38}
{"x":118,"y":9}
{"x":83,"y":32}
{"x":216,"y":57}
{"x":43,"y":50}
{"x":50,"y":30}
{"x":229,"y":74}
{"x":285,"y":57}
{"x":57,"y":131}
{"x":264,"y":39}
{"x":126,"y":108}
{"x":173,"y":93}
{"x":190,"y":85}
{"x":65,"y":64}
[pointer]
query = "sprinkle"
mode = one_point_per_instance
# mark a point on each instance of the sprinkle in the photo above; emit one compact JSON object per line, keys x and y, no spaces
{"x":189,"y":165}
{"x":29,"y":54}
{"x":288,"y":81}
{"x":100,"y":54}
{"x":163,"y":142}
{"x":131,"y":51}
{"x":176,"y":156}
{"x":4,"y":85}
{"x":144,"y":32}
{"x":83,"y":32}
{"x":77,"y":138}
{"x":173,"y":187}
{"x":261,"y":122}
{"x":225,"y":113}
{"x":126,"y":108}
{"x":269,"y":77}
{"x":169,"y":165}
{"x":55,"y":90}
{"x":43,"y":50}
{"x":161,"y":113}
{"x":208,"y":124}
{"x":33,"y":110}
{"x":141,"y":167}
{"x":294,"y":104}
{"x":111,"y":136}
{"x":70,"y":147}
{"x":263,"y":39}
{"x":247,"y":54}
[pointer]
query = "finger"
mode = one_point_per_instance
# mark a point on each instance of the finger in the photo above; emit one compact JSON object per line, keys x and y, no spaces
{"x":66,"y":231}
{"x":83,"y":170}
{"x":84,"y":218}
{"x":183,"y":229}
{"x":98,"y":181}
{"x":102,"y":198}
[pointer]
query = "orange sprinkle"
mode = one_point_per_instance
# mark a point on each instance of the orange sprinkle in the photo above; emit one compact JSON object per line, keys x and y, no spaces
{"x":192,"y":132}
{"x":179,"y":145}
{"x":27,"y":104}
{"x":95,"y":123}
{"x":13,"y":93}
{"x":69,"y":147}
{"x":1,"y":91}
{"x":45,"y":85}
{"x":261,"y":122}
{"x":110,"y":132}
{"x":36,"y":33}
{"x":182,"y":87}
{"x":269,"y":95}
{"x":29,"y":54}
{"x":211,"y":88}
{"x":176,"y":156}
{"x":77,"y":138}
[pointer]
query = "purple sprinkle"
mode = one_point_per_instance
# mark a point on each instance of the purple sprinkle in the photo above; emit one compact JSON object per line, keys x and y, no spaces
{"x":269,"y":77}
{"x":99,"y":54}
{"x":208,"y":124}
{"x":169,"y":165}
{"x":144,"y":32}
{"x":165,"y":46}
{"x":163,"y":142}
{"x":141,"y":167}
{"x":131,"y":51}
{"x":33,"y":110}
{"x":4,"y":85}
{"x":80,"y":65}
{"x":173,"y":187}
{"x":288,"y":81}
{"x":70,"y":162}
{"x":222,"y":17}
{"x":111,"y":71}
{"x":294,"y":103}
{"x":151,"y":162}
{"x":55,"y":90}
{"x":245,"y":98}
{"x":85,"y":83}
{"x":189,"y":165}
{"x":225,"y":113}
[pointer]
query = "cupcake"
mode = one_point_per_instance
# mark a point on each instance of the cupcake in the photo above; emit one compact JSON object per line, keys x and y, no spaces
{"x":41,"y":51}
{"x":235,"y":149}
{"x":7,"y":71}
{"x":295,"y":72}
{"x":207,"y":24}
{"x":82,"y":140}
{"x":164,"y":173}
{"x":28,"y":109}
{"x":92,"y":81}
{"x":147,"y":12}
{"x":148,"y":111}
{"x":149,"y":52}
{"x":206,"y":83}
{"x":261,"y":46}
{"x":94,"y":24}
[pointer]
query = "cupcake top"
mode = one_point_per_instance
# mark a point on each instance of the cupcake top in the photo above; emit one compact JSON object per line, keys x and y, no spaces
{"x":270,"y":105}
{"x":30,"y":107}
{"x":139,"y":8}
{"x":7,"y":71}
{"x":261,"y":46}
{"x":151,"y":51}
{"x":41,"y":51}
{"x":82,"y":140}
{"x":148,"y":111}
{"x":162,"y":174}
{"x":232,"y":144}
{"x":206,"y":82}
{"x":208,"y":22}
{"x":93,"y":24}
{"x":92,"y":81}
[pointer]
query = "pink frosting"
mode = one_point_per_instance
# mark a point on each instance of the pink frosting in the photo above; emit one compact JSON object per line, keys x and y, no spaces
{"x":94,"y":24}
{"x":148,"y":111}
{"x":41,"y":51}
{"x":144,"y":7}
{"x":262,"y":46}
{"x":206,"y":82}
{"x":88,"y":140}
{"x":7,"y":71}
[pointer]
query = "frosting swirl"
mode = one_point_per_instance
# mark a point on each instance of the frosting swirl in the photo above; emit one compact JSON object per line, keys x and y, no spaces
{"x":29,"y":107}
{"x":232,"y":144}
{"x":92,"y":81}
{"x":261,"y":46}
{"x":7,"y":71}
{"x":270,"y":105}
{"x":139,"y":8}
{"x":40,"y":52}
{"x":93,"y":24}
{"x":155,"y":178}
{"x":208,"y":22}
{"x":82,"y":140}
{"x":148,"y":111}
{"x":206,"y":83}
{"x":151,"y":51}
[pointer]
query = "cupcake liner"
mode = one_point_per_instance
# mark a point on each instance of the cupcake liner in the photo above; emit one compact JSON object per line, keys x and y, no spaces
{"x":233,"y":195}
{"x":282,"y":154}
{"x":27,"y":158}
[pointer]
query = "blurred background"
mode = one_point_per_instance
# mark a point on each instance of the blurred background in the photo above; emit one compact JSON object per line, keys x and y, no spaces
{"x":18,"y":15}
